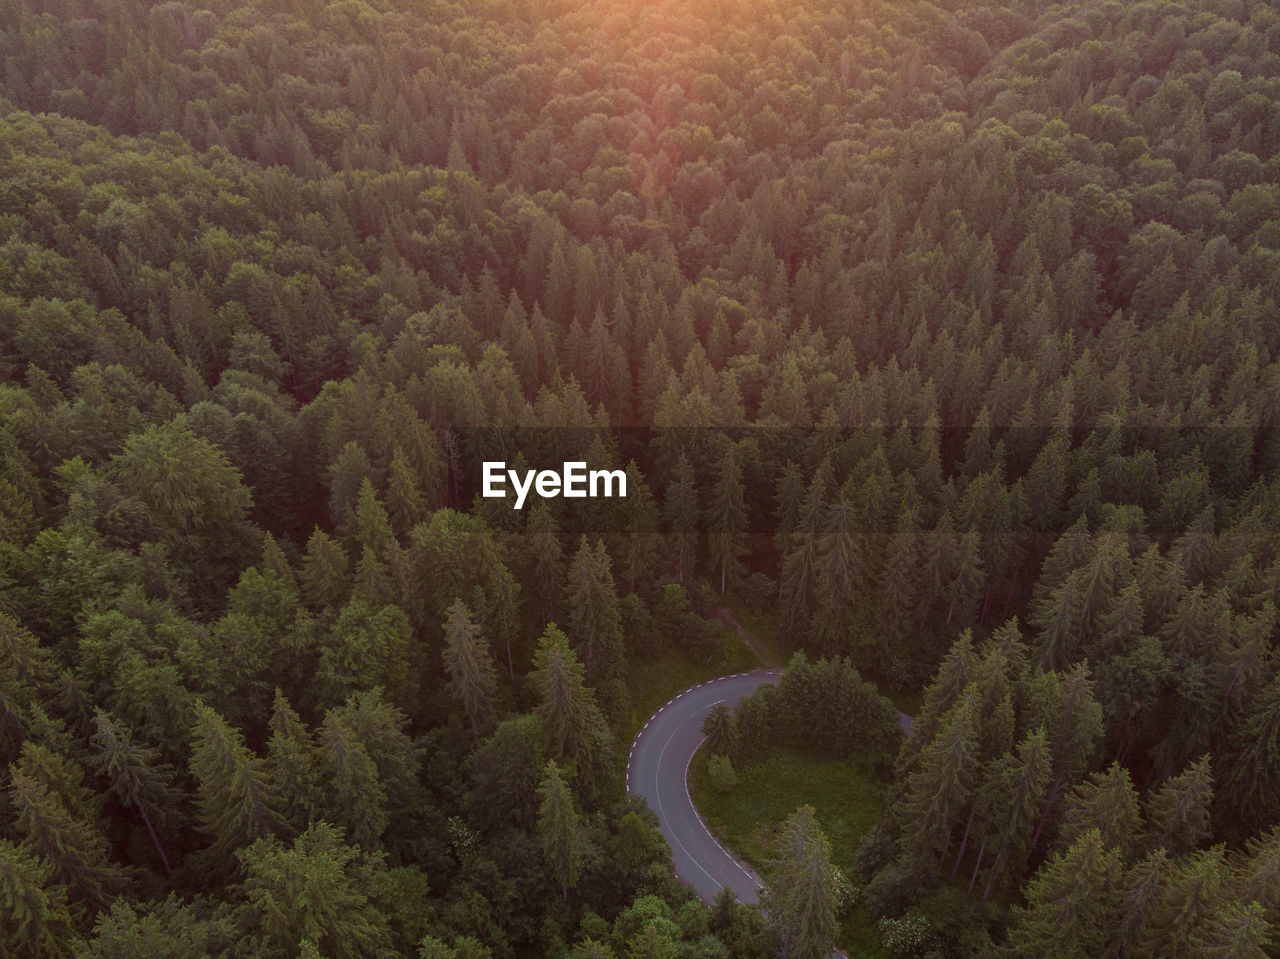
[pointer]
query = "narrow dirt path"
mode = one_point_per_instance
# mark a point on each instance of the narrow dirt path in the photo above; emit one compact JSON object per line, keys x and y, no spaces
{"x":749,"y":639}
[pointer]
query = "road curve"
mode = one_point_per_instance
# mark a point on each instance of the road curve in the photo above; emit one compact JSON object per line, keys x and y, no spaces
{"x":658,"y":769}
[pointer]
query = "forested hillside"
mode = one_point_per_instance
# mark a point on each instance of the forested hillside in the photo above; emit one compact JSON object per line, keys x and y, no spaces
{"x":945,"y":332}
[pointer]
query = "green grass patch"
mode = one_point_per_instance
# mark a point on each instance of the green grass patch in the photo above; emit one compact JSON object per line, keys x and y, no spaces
{"x":654,"y":682}
{"x":847,"y":797}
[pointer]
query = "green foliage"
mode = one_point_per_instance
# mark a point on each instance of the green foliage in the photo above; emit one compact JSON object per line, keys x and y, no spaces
{"x":561,"y":831}
{"x":38,"y":920}
{"x":472,"y":680}
{"x":316,"y":890}
{"x":236,"y":798}
{"x":802,"y":894}
{"x":720,"y":774}
{"x":975,"y":302}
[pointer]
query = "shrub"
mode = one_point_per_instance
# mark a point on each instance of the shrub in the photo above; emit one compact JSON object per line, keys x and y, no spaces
{"x":720,"y":774}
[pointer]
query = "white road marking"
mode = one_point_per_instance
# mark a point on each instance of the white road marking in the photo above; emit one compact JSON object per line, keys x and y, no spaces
{"x":755,"y":881}
{"x":658,"y":795}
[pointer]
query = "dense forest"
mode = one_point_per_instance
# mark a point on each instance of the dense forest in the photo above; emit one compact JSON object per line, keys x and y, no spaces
{"x":943,"y":333}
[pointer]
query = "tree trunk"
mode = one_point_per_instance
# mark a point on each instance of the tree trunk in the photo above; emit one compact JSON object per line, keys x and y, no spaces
{"x":155,"y":840}
{"x":1044,"y":816}
{"x":978,"y":865}
{"x":991,"y":878}
{"x":964,"y":841}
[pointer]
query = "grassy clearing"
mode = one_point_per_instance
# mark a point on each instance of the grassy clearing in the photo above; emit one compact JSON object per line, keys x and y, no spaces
{"x":763,"y":628}
{"x":847,"y":798}
{"x":653,"y":683}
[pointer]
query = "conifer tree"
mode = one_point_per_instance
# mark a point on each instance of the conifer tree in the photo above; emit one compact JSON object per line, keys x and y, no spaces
{"x":1250,"y":794}
{"x":316,"y":890}
{"x":564,"y":699}
{"x":560,"y":829}
{"x":838,"y":576}
{"x":1107,"y":802}
{"x":1072,"y":904}
{"x":292,"y":763}
{"x":135,"y":774}
{"x":802,"y":894}
{"x":544,"y":557}
{"x":406,"y":505}
{"x":236,"y":800}
{"x":941,"y":789}
{"x":467,"y":662}
{"x":721,"y":732}
{"x":36,"y":919}
{"x":726,"y":516}
{"x":680,"y":515}
{"x":594,"y":618}
{"x":1011,"y":799}
{"x":356,"y":798}
{"x":956,"y":671}
{"x":798,"y":583}
{"x":1177,"y":812}
{"x":324,"y":578}
{"x":54,"y":823}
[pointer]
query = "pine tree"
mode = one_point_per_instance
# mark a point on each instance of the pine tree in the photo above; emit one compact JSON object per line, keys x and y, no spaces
{"x":1075,"y":729}
{"x":472,"y":679}
{"x":324,"y":578}
{"x":594,"y":618}
{"x":939,"y":792}
{"x":355,"y":796}
{"x":544,"y":557}
{"x":36,"y":920}
{"x":726,"y":516}
{"x":680,"y":515}
{"x":1107,"y":802}
{"x":135,"y":774}
{"x":1234,"y":930}
{"x":838,"y":576}
{"x":1250,"y":794}
{"x":899,"y":582}
{"x":640,"y":529}
{"x":1072,"y":904}
{"x":560,"y":829}
{"x":721,"y":732}
{"x":801,"y":898}
{"x":315,"y":891}
{"x":405,"y":503}
{"x":292,"y":763}
{"x":1011,"y":800}
{"x":591,"y":949}
{"x":1190,"y":894}
{"x":236,"y":800}
{"x":564,"y":699}
{"x":955,"y":673}
{"x":1178,"y":811}
{"x":53,"y":824}
{"x":651,"y":944}
{"x":504,"y":612}
{"x":798,"y":584}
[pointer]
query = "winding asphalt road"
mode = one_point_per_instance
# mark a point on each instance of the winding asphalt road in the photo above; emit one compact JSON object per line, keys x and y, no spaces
{"x":658,"y":770}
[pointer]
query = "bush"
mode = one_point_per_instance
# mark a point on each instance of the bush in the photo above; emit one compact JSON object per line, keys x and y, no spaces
{"x":720,"y":774}
{"x":910,"y":935}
